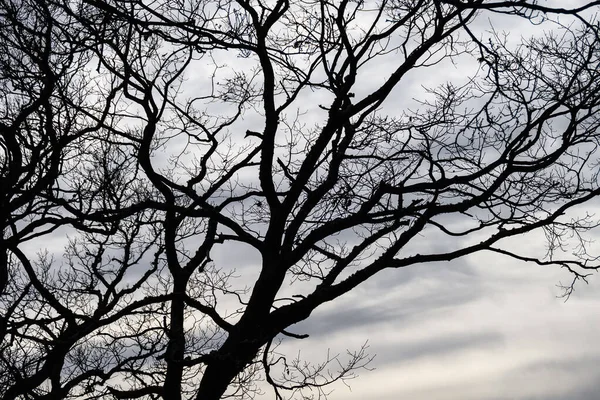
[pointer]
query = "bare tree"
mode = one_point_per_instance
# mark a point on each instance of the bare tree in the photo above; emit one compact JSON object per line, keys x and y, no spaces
{"x":152,"y":133}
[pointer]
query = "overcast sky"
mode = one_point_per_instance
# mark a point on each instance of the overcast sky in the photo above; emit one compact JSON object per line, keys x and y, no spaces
{"x":479,"y":328}
{"x":483,"y":327}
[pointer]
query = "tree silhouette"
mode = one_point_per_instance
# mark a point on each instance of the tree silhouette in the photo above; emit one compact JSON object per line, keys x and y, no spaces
{"x":146,"y":135}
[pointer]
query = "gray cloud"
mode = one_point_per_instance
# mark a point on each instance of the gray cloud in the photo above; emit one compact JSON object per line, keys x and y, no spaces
{"x":398,"y":297}
{"x":408,"y":351}
{"x":584,"y":369}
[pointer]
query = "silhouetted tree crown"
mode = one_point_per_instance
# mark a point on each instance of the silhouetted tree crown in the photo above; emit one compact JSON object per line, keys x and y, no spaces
{"x":139,"y":139}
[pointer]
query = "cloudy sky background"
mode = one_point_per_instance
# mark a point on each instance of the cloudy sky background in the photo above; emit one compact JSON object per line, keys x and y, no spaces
{"x":479,"y":328}
{"x":483,"y":327}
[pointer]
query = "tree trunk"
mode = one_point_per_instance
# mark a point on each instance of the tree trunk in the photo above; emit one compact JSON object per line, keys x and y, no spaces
{"x":236,"y":353}
{"x":217,"y":377}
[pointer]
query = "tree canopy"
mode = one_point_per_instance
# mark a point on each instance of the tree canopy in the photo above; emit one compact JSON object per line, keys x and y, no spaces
{"x":142,"y":136}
